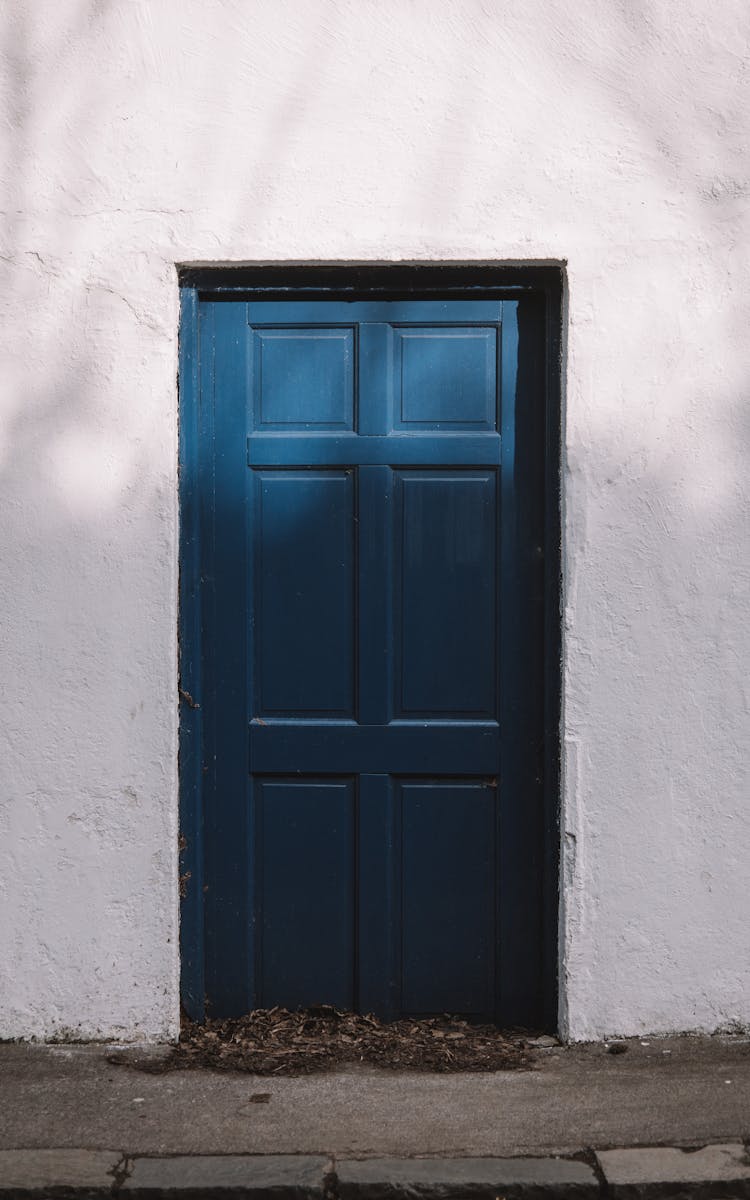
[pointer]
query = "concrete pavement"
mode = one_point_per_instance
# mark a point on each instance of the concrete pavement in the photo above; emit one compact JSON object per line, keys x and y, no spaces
{"x":565,"y":1114}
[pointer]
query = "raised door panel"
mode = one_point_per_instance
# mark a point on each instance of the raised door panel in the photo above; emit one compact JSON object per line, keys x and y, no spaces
{"x":303,"y":379}
{"x":304,"y":569}
{"x":305,"y":889}
{"x":448,"y":905}
{"x":445,"y":594}
{"x":445,"y":378}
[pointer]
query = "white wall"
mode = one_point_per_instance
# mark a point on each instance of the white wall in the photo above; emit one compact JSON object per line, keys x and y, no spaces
{"x":608,"y":133}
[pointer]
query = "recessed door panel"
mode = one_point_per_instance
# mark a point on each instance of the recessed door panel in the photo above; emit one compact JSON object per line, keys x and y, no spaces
{"x":445,"y":378}
{"x":445,"y":597}
{"x":303,"y":378}
{"x":304,"y":571}
{"x":448,"y":871}
{"x":304,"y":873}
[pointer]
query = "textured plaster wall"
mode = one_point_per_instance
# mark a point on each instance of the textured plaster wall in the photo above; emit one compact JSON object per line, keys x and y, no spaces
{"x":608,"y":133}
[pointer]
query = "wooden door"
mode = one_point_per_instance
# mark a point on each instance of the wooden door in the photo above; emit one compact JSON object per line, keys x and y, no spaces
{"x":370,"y":658}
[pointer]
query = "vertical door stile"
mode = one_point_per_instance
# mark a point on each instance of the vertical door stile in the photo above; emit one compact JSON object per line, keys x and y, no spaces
{"x":373,"y":516}
{"x":511,"y":865}
{"x":226,"y":822}
{"x":519,"y":885}
{"x":377,"y":855}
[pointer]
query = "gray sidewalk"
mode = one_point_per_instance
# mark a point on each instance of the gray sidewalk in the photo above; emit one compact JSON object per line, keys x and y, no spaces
{"x":576,"y":1123}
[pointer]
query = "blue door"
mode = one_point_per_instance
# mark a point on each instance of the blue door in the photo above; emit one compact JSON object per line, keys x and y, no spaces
{"x":370,"y":647}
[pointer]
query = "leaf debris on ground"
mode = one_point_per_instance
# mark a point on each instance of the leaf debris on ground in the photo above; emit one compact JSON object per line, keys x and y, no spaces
{"x":277,"y":1041}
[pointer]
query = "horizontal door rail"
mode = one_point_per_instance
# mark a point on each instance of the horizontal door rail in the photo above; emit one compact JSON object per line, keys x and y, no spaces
{"x":451,"y":312}
{"x":396,"y":450}
{"x":462,"y":749}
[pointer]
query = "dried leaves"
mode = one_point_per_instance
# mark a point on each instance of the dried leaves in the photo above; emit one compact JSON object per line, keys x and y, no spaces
{"x":276,"y":1041}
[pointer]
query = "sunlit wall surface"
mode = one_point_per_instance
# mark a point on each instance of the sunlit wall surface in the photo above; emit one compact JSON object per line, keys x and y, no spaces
{"x":610,"y":136}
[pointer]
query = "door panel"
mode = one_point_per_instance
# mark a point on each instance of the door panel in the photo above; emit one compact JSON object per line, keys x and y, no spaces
{"x":448,"y":870}
{"x":304,"y":868}
{"x":305,"y":587}
{"x":303,"y":378}
{"x":445,"y":378}
{"x":445,"y":614}
{"x":371,"y":630}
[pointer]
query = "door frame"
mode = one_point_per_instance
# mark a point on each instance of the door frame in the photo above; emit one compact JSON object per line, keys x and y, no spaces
{"x":355,"y":281}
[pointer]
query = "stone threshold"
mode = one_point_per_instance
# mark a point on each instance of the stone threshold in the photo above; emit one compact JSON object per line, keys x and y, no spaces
{"x":628,"y":1173}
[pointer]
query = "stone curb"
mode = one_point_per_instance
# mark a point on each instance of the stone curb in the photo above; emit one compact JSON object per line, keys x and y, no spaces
{"x":647,"y":1173}
{"x":655,"y":1171}
{"x":287,"y":1176}
{"x":50,"y":1173}
{"x":449,"y":1179}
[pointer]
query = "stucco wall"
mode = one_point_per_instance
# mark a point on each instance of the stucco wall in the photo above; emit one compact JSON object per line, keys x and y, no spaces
{"x":612,"y":135}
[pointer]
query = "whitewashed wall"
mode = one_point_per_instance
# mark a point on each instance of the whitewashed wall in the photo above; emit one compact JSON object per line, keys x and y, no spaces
{"x":611,"y":134}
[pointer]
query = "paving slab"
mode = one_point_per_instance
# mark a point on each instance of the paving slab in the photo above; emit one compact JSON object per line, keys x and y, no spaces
{"x":468,"y":1178}
{"x":678,"y":1091}
{"x":55,"y":1172}
{"x":720,"y":1170}
{"x":293,"y":1177}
